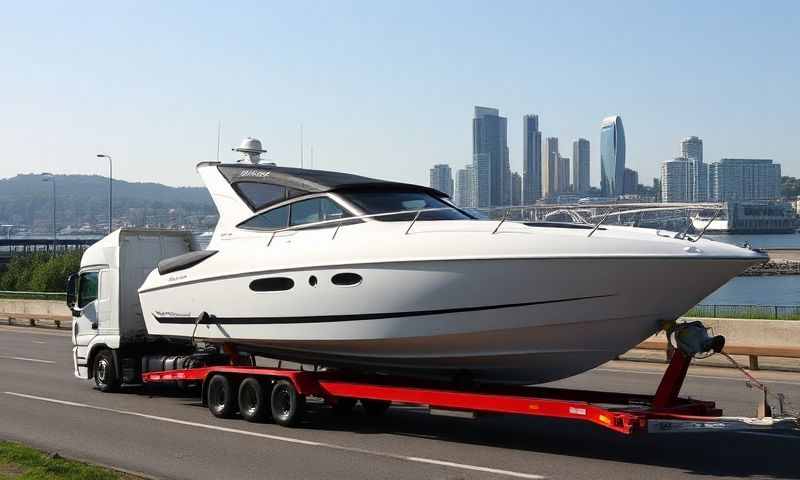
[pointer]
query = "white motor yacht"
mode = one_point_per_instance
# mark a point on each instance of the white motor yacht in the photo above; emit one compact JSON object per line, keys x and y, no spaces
{"x":346,"y":271}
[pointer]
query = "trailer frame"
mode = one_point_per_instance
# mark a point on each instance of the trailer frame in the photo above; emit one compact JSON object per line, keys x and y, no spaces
{"x":620,"y":412}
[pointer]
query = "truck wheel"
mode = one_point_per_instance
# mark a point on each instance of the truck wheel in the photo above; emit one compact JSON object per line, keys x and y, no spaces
{"x":286,"y":403}
{"x":253,"y":400}
{"x":343,"y":405}
{"x":105,"y":372}
{"x":375,"y":408}
{"x":221,"y":399}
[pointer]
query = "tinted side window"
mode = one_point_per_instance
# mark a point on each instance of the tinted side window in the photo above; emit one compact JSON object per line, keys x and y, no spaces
{"x":271,"y":220}
{"x":316,"y":210}
{"x":260,"y":195}
{"x":87,"y":289}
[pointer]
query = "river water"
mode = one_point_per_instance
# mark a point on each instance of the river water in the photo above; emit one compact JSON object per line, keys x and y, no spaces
{"x":777,"y":290}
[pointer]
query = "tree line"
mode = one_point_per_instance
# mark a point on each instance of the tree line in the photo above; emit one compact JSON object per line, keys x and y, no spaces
{"x":40,"y":272}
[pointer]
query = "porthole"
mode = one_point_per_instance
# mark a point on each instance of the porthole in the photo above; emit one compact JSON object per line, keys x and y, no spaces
{"x":346,"y":279}
{"x":312,"y":280}
{"x":274,"y":284}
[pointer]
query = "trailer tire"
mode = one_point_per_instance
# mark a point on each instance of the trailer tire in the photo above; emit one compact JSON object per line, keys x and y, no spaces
{"x":105,"y":372}
{"x":286,"y":403}
{"x":375,"y":408}
{"x":220,"y":397}
{"x":254,"y":405}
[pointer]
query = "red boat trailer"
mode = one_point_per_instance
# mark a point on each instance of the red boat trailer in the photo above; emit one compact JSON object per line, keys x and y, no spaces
{"x":280,"y":393}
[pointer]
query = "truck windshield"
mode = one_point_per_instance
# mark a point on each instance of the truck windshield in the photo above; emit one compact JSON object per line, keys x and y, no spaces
{"x":372,"y":203}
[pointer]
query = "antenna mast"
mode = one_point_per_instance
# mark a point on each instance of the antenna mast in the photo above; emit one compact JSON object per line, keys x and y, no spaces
{"x":301,"y":145}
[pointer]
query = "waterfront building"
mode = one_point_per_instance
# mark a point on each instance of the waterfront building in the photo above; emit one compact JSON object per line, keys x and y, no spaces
{"x":464,"y":192}
{"x":692,"y":149}
{"x":490,"y":157}
{"x":630,"y":182}
{"x":580,"y":166}
{"x":562,"y":175}
{"x":675,"y":180}
{"x":550,"y":154}
{"x":516,"y":189}
{"x":441,"y":178}
{"x":531,"y":160}
{"x":612,"y":156}
{"x":744,"y":179}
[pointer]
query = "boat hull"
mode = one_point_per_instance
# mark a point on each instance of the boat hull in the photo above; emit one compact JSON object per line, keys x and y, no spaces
{"x":528,"y":321}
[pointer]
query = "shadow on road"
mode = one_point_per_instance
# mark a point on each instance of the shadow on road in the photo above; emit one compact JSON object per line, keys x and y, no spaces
{"x":717,"y":453}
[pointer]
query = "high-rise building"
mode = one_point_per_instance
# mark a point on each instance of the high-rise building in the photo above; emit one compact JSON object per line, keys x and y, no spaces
{"x":516,"y":189}
{"x":549,"y":161}
{"x":580,"y":166}
{"x":464,"y":192}
{"x":630,"y":182}
{"x":744,"y":179}
{"x":531,"y":160}
{"x":562,"y":175}
{"x":490,"y":157}
{"x":442,"y":178}
{"x":612,"y":156}
{"x":692,"y":149}
{"x":676,"y":180}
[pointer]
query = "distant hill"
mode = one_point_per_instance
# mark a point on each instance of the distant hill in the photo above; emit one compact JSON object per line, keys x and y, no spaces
{"x":83,"y":199}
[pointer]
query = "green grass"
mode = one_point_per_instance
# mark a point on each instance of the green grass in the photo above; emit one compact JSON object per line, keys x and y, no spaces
{"x":19,"y":462}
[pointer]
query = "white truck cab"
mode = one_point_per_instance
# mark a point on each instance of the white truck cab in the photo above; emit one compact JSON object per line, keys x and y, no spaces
{"x":109,"y":336}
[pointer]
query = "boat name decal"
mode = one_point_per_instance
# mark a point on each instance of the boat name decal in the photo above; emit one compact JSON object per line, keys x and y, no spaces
{"x":252,"y":172}
{"x":160,"y":313}
{"x":176,"y":277}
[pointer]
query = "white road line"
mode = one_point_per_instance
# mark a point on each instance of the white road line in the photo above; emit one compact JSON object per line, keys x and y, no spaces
{"x":430,"y":461}
{"x":24,"y":359}
{"x":40,"y":343}
{"x":690,"y":376}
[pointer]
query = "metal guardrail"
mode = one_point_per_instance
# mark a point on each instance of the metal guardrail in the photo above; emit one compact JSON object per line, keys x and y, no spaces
{"x":21,"y":293}
{"x":763,"y":312}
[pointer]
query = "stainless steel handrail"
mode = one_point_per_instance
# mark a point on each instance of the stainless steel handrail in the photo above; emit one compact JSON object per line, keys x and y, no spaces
{"x":600,"y":222}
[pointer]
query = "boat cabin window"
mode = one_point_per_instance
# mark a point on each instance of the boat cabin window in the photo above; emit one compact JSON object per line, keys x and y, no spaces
{"x":373,"y":203}
{"x":272,"y":220}
{"x":260,"y":195}
{"x":314,"y":210}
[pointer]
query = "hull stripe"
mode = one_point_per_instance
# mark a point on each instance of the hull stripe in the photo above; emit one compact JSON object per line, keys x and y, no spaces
{"x":362,"y":316}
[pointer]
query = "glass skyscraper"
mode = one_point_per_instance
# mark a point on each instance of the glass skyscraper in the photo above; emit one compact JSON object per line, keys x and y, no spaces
{"x":612,"y":156}
{"x":532,"y":160}
{"x":490,"y":157}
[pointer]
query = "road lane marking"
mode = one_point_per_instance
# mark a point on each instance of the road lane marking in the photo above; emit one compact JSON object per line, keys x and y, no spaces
{"x":25,"y":359}
{"x":332,"y":446}
{"x":40,"y":343}
{"x":690,"y":376}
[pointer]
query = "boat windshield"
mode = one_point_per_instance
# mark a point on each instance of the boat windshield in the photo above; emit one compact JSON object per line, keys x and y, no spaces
{"x":374,"y":203}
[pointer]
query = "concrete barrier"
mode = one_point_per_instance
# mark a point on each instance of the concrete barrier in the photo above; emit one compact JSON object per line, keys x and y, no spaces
{"x":54,"y":312}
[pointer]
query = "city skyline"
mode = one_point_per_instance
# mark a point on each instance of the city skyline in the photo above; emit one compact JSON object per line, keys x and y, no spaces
{"x":358,"y":76}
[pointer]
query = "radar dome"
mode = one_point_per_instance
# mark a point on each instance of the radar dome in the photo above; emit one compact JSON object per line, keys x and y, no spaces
{"x":251,"y":148}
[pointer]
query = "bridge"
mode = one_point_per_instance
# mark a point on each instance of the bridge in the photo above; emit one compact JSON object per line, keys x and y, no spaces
{"x":12,"y":246}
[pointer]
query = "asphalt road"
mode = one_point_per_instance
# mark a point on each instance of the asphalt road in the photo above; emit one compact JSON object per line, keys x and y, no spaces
{"x":168,"y":435}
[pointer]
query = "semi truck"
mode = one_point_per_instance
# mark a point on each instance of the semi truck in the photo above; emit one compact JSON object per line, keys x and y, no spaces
{"x":112,"y":348}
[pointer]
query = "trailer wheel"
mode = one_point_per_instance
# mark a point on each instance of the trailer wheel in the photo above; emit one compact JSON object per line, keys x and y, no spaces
{"x":221,"y":399}
{"x":375,"y":408}
{"x":105,"y":372}
{"x":286,"y":403}
{"x":253,"y":400}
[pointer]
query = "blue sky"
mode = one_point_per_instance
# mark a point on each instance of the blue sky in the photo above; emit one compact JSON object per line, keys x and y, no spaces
{"x":387,"y":88}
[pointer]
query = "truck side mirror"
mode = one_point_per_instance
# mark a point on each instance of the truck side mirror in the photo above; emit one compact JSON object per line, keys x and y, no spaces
{"x":72,"y":284}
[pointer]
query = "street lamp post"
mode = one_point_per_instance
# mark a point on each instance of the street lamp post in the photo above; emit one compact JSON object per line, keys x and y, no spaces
{"x":49,"y":177}
{"x":110,"y":190}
